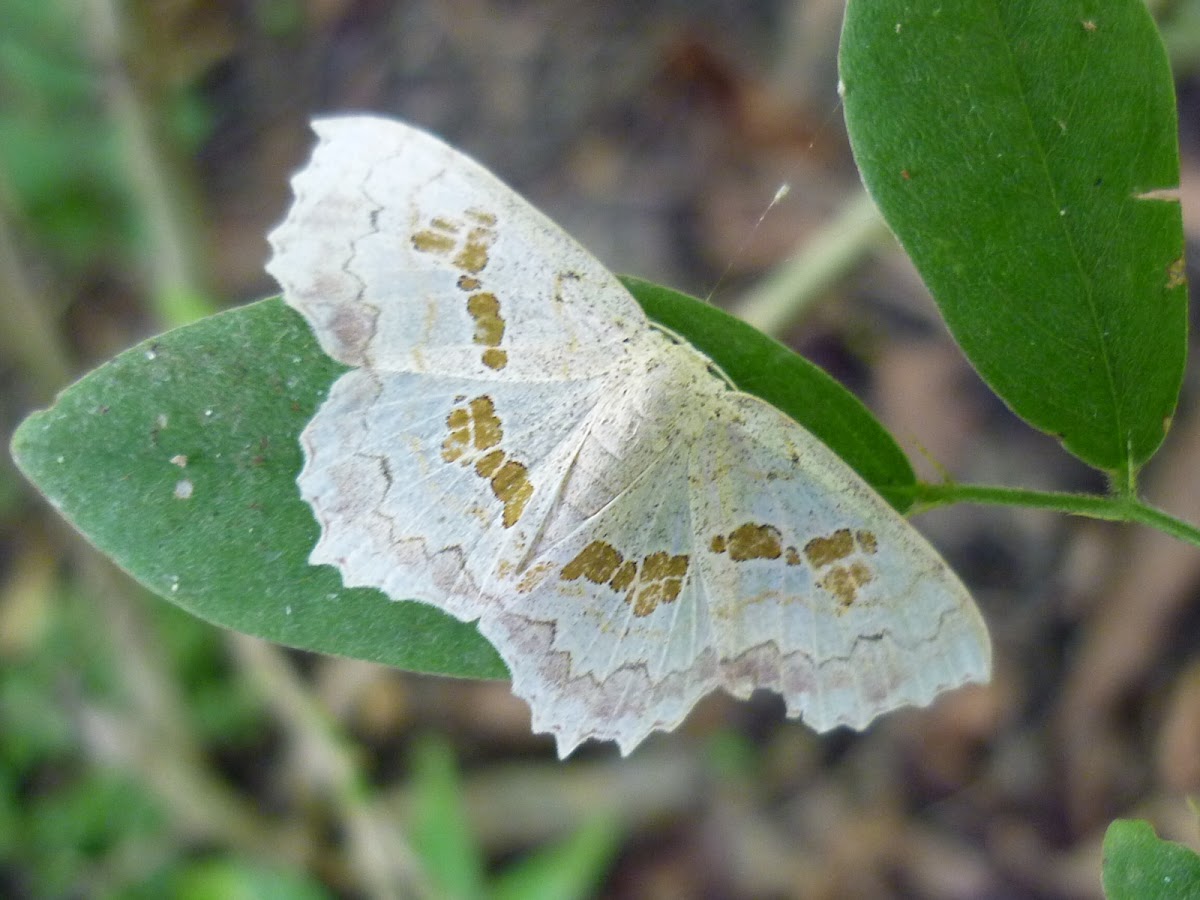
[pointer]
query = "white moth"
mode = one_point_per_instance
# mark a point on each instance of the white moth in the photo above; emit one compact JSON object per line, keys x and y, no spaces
{"x":517,"y":444}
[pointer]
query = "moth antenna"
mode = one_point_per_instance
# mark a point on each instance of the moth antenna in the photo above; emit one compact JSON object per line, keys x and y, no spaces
{"x":781,"y":192}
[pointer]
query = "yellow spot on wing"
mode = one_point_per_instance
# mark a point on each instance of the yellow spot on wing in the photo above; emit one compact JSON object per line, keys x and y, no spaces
{"x":459,"y":439}
{"x":750,"y":541}
{"x":658,"y":578}
{"x":487,"y":426}
{"x":841,"y":576}
{"x":648,"y":599}
{"x":444,"y":237}
{"x":433,"y":242}
{"x":484,"y":308}
{"x":475,"y":428}
{"x":473,"y":257}
{"x":821,"y":551}
{"x":658,"y":566}
{"x":624,"y":576}
{"x":512,"y":488}
{"x":844,"y":581}
{"x":661,"y":581}
{"x":596,"y":562}
{"x":487,"y":465}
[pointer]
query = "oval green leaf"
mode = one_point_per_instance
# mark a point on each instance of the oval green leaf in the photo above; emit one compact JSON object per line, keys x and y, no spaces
{"x":1025,"y":155}
{"x":178,"y":459}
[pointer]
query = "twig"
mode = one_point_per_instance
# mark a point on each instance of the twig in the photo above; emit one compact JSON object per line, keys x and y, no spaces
{"x":177,"y":285}
{"x":29,"y":335}
{"x":379,"y":853}
{"x":152,"y":739}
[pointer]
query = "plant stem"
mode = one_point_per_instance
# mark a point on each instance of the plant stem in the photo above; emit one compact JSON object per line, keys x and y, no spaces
{"x":1118,"y":508}
{"x":384,"y":863}
{"x":28,"y":332}
{"x":176,"y":281}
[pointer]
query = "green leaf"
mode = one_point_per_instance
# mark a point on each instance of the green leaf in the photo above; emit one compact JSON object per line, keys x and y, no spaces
{"x":1138,"y":865}
{"x":572,"y":868}
{"x":74,"y":824}
{"x":230,"y":878}
{"x":229,"y":395}
{"x":1009,"y":144}
{"x":441,"y":834}
{"x":226,"y":536}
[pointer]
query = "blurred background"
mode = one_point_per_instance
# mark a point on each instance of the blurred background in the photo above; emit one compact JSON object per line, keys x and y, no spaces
{"x":145,"y":149}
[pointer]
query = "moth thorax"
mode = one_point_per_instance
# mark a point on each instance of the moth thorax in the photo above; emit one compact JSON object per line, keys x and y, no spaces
{"x":656,"y":398}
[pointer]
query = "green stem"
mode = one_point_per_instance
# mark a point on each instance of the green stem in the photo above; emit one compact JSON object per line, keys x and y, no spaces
{"x":176,"y":271}
{"x":1118,"y":508}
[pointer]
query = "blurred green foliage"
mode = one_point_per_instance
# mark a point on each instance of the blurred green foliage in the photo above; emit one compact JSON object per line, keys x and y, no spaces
{"x":66,"y":823}
{"x":58,"y":153}
{"x":441,"y":834}
{"x":61,"y":168}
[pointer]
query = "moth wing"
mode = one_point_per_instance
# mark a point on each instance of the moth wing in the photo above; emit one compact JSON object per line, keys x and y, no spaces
{"x":607,"y":632}
{"x":406,"y":255}
{"x":427,"y":487}
{"x":825,"y":594}
{"x":745,"y":556}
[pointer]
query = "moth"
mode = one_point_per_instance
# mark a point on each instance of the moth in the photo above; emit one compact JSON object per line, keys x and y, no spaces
{"x":519,"y":446}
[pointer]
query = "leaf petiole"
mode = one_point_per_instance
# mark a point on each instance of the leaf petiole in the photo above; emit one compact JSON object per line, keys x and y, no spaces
{"x":1115,"y":508}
